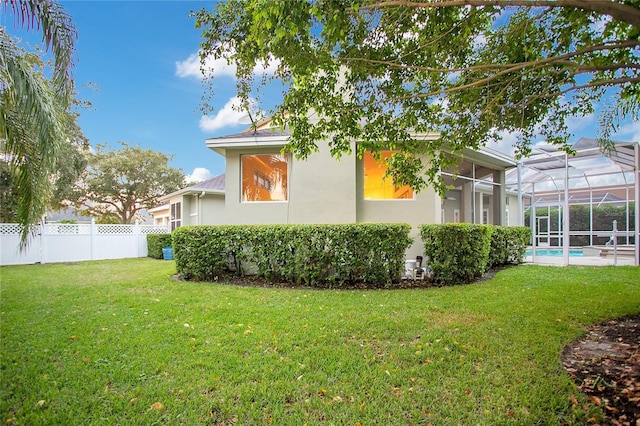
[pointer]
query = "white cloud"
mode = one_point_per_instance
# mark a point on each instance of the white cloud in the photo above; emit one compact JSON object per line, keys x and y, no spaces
{"x":506,"y":144}
{"x":628,"y":132}
{"x":229,"y":115}
{"x":199,"y":174}
{"x":582,"y":126}
{"x":191,"y":67}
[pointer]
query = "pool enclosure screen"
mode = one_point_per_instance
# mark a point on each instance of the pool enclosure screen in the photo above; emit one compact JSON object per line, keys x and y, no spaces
{"x":586,"y":200}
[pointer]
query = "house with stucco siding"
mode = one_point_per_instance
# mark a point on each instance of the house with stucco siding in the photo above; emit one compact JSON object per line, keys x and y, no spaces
{"x":265,"y":186}
{"x":198,"y":204}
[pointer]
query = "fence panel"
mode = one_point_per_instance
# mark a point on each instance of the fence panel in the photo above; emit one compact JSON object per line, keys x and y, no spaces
{"x":75,"y":242}
{"x":118,"y":242}
{"x":10,"y":253}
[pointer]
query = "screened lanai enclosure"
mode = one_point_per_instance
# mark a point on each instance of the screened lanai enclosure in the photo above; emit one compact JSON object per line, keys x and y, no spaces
{"x":580,"y":205}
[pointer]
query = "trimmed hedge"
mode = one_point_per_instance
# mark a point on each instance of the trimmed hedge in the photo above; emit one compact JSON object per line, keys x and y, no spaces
{"x":312,"y":255}
{"x":462,"y":252}
{"x":155,"y":244}
{"x":457,"y":252}
{"x":508,"y":245}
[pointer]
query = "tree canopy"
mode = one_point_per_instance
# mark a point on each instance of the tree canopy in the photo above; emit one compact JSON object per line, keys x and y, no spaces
{"x":122,"y":182}
{"x":382,"y":72}
{"x":34,"y":108}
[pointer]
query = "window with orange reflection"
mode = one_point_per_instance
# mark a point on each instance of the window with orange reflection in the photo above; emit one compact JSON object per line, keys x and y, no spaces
{"x":377,"y":188}
{"x":264,"y":177}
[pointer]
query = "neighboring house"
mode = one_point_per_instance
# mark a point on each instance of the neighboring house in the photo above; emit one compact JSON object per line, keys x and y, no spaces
{"x":68,"y":215}
{"x":264,"y":186}
{"x":199,"y":204}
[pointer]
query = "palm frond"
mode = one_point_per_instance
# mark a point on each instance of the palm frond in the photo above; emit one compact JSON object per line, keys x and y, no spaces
{"x":58,"y":35}
{"x":31,"y":127}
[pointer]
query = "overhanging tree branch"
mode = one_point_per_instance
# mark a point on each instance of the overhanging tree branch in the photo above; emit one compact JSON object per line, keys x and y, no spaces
{"x":618,"y":11}
{"x":506,"y":68}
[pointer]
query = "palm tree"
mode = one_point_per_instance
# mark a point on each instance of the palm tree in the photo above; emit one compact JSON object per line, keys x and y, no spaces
{"x":32,"y":108}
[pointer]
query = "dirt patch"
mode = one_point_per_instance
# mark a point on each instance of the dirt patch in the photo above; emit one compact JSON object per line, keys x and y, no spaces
{"x":605,"y":364}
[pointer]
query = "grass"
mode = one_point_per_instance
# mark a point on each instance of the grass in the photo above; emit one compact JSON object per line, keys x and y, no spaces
{"x":120,"y":342}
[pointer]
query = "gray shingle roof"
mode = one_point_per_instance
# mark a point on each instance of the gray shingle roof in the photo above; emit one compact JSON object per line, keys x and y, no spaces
{"x":216,"y":182}
{"x":255,"y":133}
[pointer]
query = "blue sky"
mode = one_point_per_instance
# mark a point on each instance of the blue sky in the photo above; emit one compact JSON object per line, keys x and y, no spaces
{"x":142,"y":57}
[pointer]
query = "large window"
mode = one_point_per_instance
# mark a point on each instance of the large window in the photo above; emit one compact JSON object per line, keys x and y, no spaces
{"x":176,"y":215}
{"x":264,"y":177}
{"x":377,"y":188}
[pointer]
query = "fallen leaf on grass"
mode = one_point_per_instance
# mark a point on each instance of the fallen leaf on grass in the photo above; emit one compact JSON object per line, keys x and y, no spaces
{"x":573,"y":399}
{"x":595,"y":400}
{"x":132,"y":401}
{"x":157,"y":406}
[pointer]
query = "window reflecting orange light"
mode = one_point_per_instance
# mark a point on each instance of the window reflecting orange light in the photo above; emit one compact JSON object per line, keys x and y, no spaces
{"x":377,"y":188}
{"x":264,"y":177}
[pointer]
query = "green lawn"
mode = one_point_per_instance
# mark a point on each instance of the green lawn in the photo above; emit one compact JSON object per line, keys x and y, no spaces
{"x":121,"y":342}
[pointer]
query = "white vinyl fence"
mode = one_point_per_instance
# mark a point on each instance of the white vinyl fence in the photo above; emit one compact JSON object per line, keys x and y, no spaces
{"x":57,"y":242}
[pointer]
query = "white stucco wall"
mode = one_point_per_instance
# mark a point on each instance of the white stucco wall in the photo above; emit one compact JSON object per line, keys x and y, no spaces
{"x":423,"y":208}
{"x":212,"y":210}
{"x":257,"y":212}
{"x":321,"y":190}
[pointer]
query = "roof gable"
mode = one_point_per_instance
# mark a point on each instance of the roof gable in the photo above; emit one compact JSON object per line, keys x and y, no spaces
{"x":214,"y":186}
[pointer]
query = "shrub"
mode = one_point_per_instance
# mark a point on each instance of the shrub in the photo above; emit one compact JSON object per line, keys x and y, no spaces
{"x":458,"y":252}
{"x":312,"y":255}
{"x":155,"y":244}
{"x":107,"y":220}
{"x":508,"y":245}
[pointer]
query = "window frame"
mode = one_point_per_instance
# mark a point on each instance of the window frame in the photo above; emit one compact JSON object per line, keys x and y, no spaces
{"x":380,"y":165}
{"x":175,"y":215}
{"x":262,"y":180}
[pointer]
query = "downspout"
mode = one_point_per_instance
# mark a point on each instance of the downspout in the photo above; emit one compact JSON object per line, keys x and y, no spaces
{"x":202,"y":194}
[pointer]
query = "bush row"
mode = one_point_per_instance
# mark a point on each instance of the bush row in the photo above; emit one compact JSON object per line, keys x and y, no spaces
{"x":462,"y":252}
{"x":334,"y":255}
{"x":155,"y":244}
{"x":338,"y":255}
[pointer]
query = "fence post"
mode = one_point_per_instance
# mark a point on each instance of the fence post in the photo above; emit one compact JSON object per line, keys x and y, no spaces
{"x":41,"y":241}
{"x":136,"y":232}
{"x":94,"y":233}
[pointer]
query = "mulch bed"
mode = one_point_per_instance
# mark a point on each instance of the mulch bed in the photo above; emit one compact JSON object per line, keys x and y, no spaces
{"x":605,"y":364}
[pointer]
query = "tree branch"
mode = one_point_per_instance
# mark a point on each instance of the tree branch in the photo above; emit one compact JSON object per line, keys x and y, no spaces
{"x":593,"y":84}
{"x":507,"y":67}
{"x":618,"y":11}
